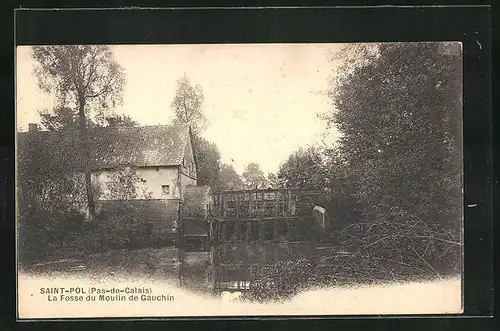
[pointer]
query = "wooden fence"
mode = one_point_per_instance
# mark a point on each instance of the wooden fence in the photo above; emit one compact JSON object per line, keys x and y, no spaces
{"x":255,"y":228}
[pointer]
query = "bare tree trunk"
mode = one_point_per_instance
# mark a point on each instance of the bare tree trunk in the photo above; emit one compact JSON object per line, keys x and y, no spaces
{"x":86,"y":160}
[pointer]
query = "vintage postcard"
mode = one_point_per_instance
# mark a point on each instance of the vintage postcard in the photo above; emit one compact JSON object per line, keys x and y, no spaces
{"x":239,"y":180}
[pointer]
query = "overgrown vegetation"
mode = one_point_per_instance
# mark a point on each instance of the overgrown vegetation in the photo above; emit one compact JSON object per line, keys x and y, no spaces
{"x":85,"y":79}
{"x":57,"y":212}
{"x":392,"y":181}
{"x":51,"y":224}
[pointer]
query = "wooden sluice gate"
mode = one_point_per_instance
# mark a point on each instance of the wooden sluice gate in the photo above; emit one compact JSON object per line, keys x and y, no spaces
{"x":226,"y":240}
{"x":253,"y":229}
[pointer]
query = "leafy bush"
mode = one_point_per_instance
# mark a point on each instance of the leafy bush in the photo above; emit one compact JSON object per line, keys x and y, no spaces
{"x":428,"y":249}
{"x":392,"y":181}
{"x":125,"y":225}
{"x":282,"y":280}
{"x":51,"y":225}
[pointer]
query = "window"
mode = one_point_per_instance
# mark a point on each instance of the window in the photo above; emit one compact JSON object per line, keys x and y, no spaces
{"x":165,"y":189}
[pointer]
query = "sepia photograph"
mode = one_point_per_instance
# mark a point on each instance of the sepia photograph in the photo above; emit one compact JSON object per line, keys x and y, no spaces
{"x":200,"y":180}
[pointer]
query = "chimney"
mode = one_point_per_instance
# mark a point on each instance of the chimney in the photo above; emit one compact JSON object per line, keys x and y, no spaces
{"x":32,"y":127}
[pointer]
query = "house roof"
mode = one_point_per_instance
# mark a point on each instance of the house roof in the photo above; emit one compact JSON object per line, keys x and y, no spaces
{"x":110,"y":147}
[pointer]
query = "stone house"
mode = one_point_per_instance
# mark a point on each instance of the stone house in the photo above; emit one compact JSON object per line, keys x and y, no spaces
{"x":161,"y":157}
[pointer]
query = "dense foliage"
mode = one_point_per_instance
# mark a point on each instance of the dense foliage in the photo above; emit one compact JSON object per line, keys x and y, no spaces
{"x":229,"y":179}
{"x":253,"y":176}
{"x":51,"y":209}
{"x":188,"y":105}
{"x":392,"y":181}
{"x":85,"y":79}
{"x":399,"y":115}
{"x":304,"y":169}
{"x":63,"y":118}
{"x":282,"y":280}
{"x":207,"y":162}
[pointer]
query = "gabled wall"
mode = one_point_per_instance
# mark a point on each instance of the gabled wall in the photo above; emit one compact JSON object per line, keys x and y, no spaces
{"x":152,"y":180}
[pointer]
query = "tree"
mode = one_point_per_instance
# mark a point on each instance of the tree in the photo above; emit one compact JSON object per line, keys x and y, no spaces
{"x":207,"y":162}
{"x":398,"y":110}
{"x":83,"y":78}
{"x":188,"y":105}
{"x":254,"y":177}
{"x":273,"y":180}
{"x":66,"y":119}
{"x":188,"y":109}
{"x":229,"y":178}
{"x":304,"y":169}
{"x":120,"y":121}
{"x":49,"y":197}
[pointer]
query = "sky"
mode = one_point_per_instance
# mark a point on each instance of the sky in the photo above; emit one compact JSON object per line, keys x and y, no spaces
{"x":261,"y":100}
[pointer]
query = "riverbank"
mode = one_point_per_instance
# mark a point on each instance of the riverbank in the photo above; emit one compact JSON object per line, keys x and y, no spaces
{"x":436,"y":297}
